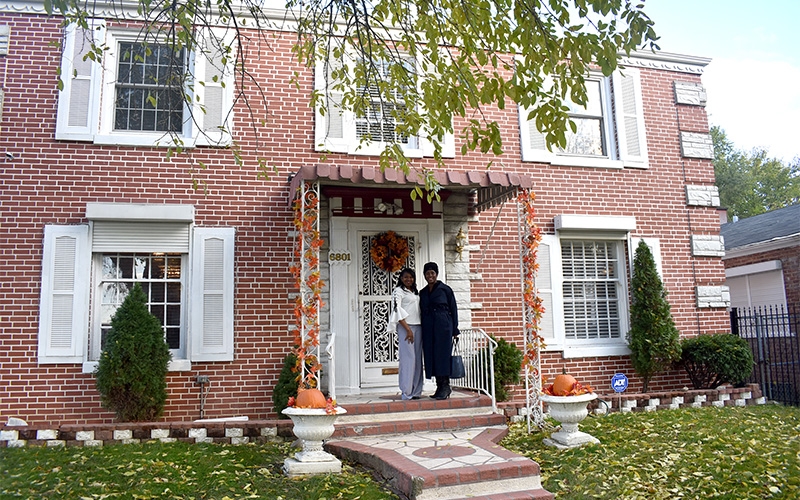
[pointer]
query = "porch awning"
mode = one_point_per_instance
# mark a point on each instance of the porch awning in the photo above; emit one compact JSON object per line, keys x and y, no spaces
{"x":493,"y":187}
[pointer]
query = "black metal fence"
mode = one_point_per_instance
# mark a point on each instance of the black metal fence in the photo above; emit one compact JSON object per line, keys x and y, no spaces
{"x":772,"y":333}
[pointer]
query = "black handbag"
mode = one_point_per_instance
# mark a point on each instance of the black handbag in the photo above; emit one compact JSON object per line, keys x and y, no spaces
{"x":457,"y":369}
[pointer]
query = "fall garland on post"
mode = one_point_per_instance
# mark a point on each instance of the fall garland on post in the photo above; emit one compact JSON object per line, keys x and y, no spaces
{"x":307,"y":278}
{"x":389,"y":251}
{"x":532,"y":300}
{"x":308,"y":303}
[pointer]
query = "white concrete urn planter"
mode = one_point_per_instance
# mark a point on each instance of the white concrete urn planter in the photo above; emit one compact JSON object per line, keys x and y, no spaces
{"x":312,"y":426}
{"x":569,"y":411}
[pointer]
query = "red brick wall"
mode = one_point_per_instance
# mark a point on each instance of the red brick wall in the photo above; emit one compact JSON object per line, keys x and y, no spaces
{"x":50,"y":182}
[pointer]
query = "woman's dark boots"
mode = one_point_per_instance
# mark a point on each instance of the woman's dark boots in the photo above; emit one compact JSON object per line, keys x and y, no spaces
{"x":445,"y":388}
{"x":439,"y":388}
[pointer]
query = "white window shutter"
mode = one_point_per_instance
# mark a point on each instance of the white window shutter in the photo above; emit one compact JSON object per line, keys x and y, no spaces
{"x":532,"y":142}
{"x":629,"y":115}
{"x":332,"y":131}
{"x":211,"y":294}
{"x":214,"y":88}
{"x":64,"y":304}
{"x":655,"y":248}
{"x":547,"y":285}
{"x":79,"y":100}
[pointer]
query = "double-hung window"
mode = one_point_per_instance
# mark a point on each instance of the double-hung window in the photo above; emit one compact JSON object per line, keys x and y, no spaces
{"x":149,"y":88}
{"x":138,"y":92}
{"x":367,"y":133}
{"x":185,"y":271}
{"x":163,"y":280}
{"x":592,"y":287}
{"x":583,"y":284}
{"x":609,"y":127}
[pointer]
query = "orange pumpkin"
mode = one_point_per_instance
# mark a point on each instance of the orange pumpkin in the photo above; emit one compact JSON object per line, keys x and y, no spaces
{"x":563,"y":384}
{"x":310,"y":398}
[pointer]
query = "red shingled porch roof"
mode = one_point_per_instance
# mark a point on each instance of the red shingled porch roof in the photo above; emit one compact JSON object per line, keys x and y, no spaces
{"x":494,"y":187}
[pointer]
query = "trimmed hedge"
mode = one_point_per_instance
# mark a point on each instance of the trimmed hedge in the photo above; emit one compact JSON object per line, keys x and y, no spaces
{"x":715,"y":359}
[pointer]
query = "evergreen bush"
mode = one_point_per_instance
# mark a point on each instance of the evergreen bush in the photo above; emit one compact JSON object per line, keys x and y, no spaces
{"x":653,"y":339}
{"x":286,"y":386}
{"x":132,"y":373}
{"x":507,"y":365}
{"x":715,"y":359}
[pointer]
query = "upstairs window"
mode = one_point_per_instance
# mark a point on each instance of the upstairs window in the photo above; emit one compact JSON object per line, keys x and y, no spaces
{"x":149,"y":93}
{"x":590,"y":137}
{"x":137,"y":93}
{"x":380,"y":121}
{"x":609,"y":128}
{"x":343,"y":131}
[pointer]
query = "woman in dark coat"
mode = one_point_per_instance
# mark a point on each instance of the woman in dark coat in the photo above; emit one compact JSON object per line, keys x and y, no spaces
{"x":439,"y":326}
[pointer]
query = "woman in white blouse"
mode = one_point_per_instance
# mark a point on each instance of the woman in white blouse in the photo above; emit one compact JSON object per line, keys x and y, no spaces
{"x":405,"y":319}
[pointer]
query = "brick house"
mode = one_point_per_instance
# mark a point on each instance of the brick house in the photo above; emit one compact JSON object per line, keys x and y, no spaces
{"x":92,"y":203}
{"x":762,"y":259}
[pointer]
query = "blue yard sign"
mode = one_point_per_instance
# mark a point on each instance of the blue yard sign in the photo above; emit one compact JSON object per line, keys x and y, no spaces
{"x":619,"y":382}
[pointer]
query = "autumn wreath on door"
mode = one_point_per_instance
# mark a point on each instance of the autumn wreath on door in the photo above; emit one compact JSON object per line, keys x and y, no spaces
{"x":389,"y":251}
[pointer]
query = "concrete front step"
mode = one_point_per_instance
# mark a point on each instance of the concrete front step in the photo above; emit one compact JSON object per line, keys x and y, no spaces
{"x":446,"y":465}
{"x":388,"y":414}
{"x":435,"y":450}
{"x":402,"y":424}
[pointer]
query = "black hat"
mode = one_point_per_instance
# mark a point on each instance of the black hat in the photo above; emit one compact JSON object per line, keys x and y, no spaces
{"x":430,"y":266}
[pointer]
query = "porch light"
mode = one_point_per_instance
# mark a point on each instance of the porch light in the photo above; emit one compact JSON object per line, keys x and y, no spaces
{"x":389,"y":208}
{"x":461,"y":243}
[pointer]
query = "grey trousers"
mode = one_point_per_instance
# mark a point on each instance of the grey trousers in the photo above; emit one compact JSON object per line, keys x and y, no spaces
{"x":410,"y":374}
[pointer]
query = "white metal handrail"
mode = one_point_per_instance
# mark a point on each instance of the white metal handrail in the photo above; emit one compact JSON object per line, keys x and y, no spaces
{"x":329,"y":350}
{"x":477,"y":348}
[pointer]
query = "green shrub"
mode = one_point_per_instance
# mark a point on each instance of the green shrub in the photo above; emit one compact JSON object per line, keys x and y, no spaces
{"x":653,"y":339}
{"x":132,"y":373}
{"x":715,"y":359}
{"x":507,"y":365}
{"x":286,"y":386}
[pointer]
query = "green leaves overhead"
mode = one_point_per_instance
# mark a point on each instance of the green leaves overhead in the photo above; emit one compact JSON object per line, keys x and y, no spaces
{"x":471,"y":56}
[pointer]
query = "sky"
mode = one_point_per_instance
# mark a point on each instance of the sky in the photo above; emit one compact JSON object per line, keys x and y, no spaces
{"x":753,"y":80}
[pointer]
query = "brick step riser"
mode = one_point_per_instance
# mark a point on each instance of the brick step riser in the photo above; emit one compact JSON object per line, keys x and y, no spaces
{"x":401,"y":426}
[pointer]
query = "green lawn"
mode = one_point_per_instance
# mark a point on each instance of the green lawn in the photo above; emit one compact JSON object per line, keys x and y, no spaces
{"x":736,"y":453}
{"x":172,"y":471}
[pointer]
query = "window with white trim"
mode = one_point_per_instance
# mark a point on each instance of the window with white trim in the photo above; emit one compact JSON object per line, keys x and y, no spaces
{"x":135,"y":94}
{"x":89,"y":269}
{"x":162,"y":278}
{"x":609,"y":128}
{"x":591,"y":289}
{"x":148,"y":88}
{"x":342,"y":131}
{"x":583,"y":283}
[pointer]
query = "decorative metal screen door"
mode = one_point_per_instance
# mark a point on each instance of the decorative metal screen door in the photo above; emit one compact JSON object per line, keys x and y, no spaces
{"x":379,"y":347}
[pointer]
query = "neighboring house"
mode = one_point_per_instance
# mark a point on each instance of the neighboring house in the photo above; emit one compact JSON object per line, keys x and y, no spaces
{"x":91,"y":203}
{"x":762,"y":259}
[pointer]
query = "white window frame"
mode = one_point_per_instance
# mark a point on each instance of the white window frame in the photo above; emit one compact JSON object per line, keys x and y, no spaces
{"x":89,"y":92}
{"x":550,"y":281}
{"x":96,"y":334}
{"x":207,"y":268}
{"x":623,"y":127}
{"x":326,"y":136}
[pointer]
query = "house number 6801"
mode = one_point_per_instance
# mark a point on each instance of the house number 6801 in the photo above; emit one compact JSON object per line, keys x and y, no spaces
{"x":339,"y":256}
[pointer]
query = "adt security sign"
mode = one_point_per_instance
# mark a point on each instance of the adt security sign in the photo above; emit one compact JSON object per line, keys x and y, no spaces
{"x":619,"y":382}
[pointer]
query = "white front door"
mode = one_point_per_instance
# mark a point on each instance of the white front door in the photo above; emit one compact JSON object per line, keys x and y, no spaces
{"x":360,"y":292}
{"x":377,"y":346}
